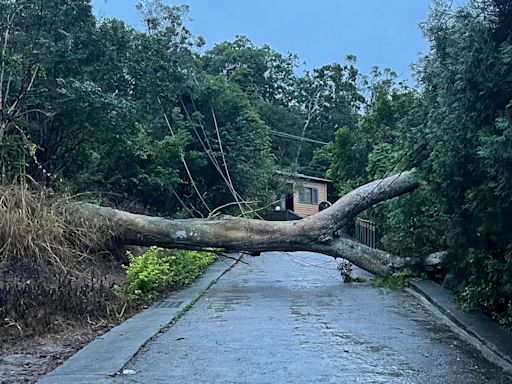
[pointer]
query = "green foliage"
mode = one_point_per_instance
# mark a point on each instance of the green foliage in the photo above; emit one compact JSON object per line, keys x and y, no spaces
{"x":368,"y":150}
{"x":158,"y":271}
{"x":256,"y":70}
{"x":468,"y":91}
{"x":457,"y":133}
{"x":349,"y":153}
{"x":97,"y":118}
{"x":398,"y":280}
{"x":489,"y":286}
{"x":245,"y":140}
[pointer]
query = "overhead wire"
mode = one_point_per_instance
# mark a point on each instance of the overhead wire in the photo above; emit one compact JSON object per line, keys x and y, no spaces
{"x":209,"y":150}
{"x":227,"y":178}
{"x":295,"y":137}
{"x":408,"y":152}
{"x":306,"y":264}
{"x":182,"y":158}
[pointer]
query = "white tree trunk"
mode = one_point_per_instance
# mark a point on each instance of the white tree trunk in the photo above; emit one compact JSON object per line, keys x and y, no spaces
{"x":317,"y":233}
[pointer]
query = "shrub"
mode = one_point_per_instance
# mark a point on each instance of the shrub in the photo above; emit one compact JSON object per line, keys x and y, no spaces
{"x":158,"y":271}
{"x":488,"y":288}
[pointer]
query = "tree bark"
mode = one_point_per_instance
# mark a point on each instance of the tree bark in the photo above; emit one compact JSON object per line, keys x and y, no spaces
{"x":317,"y":233}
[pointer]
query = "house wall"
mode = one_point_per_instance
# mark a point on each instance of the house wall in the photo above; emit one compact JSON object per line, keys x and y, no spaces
{"x":304,"y":210}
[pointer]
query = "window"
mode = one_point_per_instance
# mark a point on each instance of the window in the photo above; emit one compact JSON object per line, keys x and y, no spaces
{"x":308,"y":196}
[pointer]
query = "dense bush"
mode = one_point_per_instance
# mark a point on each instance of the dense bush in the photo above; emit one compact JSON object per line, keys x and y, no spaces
{"x":159,"y":270}
{"x":458,"y":134}
{"x":468,"y":93}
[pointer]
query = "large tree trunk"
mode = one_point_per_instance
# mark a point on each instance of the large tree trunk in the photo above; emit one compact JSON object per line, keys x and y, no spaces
{"x":317,"y":233}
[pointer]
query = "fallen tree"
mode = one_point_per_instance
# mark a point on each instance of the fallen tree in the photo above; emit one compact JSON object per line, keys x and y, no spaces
{"x":321,"y":232}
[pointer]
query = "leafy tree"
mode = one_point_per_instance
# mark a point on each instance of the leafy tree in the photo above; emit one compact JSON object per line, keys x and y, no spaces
{"x":262,"y":71}
{"x":44,"y":42}
{"x":371,"y":147}
{"x":230,"y":133}
{"x":457,"y":133}
{"x":468,"y":88}
{"x":330,"y":98}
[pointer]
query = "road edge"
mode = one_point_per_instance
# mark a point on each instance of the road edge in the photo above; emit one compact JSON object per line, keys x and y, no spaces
{"x":491,"y":340}
{"x":98,"y":363}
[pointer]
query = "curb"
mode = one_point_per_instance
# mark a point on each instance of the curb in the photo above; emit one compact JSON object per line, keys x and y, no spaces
{"x":103,"y":358}
{"x":493,"y":341}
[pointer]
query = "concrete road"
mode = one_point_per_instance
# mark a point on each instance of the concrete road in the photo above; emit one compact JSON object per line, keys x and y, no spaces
{"x":290,"y":319}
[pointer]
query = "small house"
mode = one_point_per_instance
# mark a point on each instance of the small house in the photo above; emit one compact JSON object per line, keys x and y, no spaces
{"x":308,"y":192}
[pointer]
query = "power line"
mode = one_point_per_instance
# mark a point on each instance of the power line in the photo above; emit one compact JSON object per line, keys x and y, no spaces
{"x":290,"y":136}
{"x":409,"y":151}
{"x":294,"y":137}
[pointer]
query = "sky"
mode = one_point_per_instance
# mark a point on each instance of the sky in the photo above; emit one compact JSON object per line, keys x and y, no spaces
{"x":379,"y":32}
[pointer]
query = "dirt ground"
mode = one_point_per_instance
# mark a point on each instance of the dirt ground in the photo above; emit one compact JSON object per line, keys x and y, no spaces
{"x":45,"y":317}
{"x":25,"y":359}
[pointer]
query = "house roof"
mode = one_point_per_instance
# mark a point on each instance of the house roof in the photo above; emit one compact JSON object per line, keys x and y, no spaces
{"x":302,"y":176}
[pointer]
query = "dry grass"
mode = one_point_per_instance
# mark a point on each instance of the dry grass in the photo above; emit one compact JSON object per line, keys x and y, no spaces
{"x":39,"y":229}
{"x":53,"y":271}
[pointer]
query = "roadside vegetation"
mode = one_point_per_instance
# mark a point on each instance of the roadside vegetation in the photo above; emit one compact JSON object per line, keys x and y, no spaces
{"x":398,"y":280}
{"x":55,"y":265}
{"x":60,"y":272}
{"x":158,"y":271}
{"x":151,"y":122}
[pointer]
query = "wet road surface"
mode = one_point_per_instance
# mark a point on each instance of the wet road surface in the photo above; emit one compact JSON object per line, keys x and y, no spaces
{"x":290,"y":319}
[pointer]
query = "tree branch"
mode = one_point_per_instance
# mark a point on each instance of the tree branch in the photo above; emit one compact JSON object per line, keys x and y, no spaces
{"x":317,"y":233}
